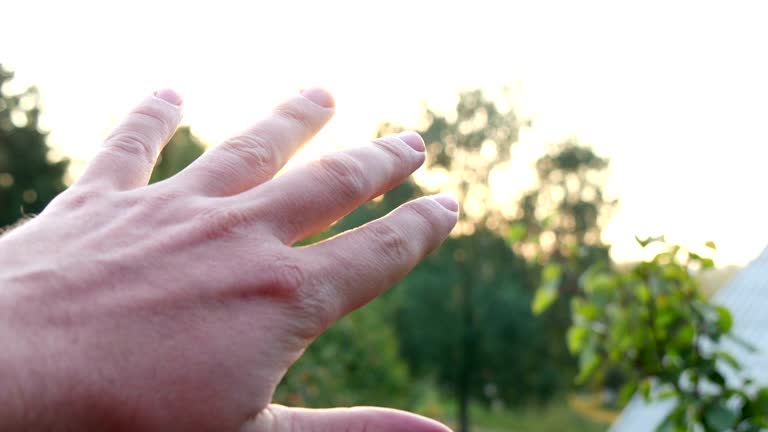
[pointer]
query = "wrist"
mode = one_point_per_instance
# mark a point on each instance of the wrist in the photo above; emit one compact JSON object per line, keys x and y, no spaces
{"x":40,"y":389}
{"x":14,"y":409}
{"x":26,"y":381}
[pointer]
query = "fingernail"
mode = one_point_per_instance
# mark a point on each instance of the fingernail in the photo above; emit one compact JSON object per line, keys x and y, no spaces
{"x":169,"y":96}
{"x":319,"y":97}
{"x":413,"y":139}
{"x":447,"y":201}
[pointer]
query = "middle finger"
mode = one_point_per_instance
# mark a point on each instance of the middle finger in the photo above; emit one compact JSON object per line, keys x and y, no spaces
{"x":309,"y":198}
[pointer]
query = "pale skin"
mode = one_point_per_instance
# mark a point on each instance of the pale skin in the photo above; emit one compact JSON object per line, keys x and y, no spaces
{"x":179,"y":306}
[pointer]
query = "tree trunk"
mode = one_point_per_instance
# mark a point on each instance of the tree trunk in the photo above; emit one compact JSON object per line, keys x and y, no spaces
{"x":465,"y":365}
{"x":467,"y":342}
{"x":463,"y":411}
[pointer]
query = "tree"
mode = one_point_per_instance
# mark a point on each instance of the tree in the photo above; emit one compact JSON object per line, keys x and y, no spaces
{"x":558,"y":230}
{"x":560,"y":220}
{"x":29,"y":179}
{"x":511,"y":362}
{"x":467,"y":145}
{"x":355,"y":362}
{"x":182,"y":149}
{"x":652,"y":324}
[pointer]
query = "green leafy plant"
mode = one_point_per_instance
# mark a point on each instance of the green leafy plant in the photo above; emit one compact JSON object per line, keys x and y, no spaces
{"x":651,"y":326}
{"x":29,"y":176}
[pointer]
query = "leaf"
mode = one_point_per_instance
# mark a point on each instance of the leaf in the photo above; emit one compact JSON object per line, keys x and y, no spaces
{"x":668,"y":315}
{"x":685,"y":336}
{"x":576,"y":337}
{"x":668,"y":393}
{"x":643,"y":293}
{"x":517,"y":231}
{"x":667,"y":257}
{"x":589,"y":361}
{"x":648,"y":240}
{"x":720,"y":418}
{"x":627,"y":391}
{"x":725,"y":321}
{"x":583,"y":309}
{"x":674,"y":422}
{"x":761,"y":401}
{"x":706,"y":263}
{"x":551,"y":273}
{"x":717,"y":378}
{"x":546,"y":294}
{"x":742,"y":342}
{"x":729,"y":359}
{"x":645,"y":389}
{"x":710,"y":244}
{"x":601,"y":287}
{"x":543,"y":299}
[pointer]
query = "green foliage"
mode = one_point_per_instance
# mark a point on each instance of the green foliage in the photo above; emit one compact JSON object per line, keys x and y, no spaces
{"x":547,"y":292}
{"x":467,"y":318}
{"x":29,"y":179}
{"x":563,"y":217}
{"x":182,"y":149}
{"x":554,"y":417}
{"x":454,"y":143}
{"x":652,"y":326}
{"x":461,"y":320}
{"x":564,"y":214}
{"x":429,"y":308}
{"x":355,"y":362}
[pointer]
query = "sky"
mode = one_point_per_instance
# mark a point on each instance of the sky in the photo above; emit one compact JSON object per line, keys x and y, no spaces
{"x":674,"y":93}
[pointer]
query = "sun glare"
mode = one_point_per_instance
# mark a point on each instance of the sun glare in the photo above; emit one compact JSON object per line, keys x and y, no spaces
{"x":681,"y":115}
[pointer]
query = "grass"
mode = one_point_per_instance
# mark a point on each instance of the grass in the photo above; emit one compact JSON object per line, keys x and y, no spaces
{"x":555,"y":417}
{"x":576,"y":413}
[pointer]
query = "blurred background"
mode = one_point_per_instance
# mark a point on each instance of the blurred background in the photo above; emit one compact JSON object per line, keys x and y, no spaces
{"x":566,"y":130}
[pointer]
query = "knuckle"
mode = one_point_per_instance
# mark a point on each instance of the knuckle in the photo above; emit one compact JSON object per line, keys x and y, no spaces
{"x":392,"y":241}
{"x":293,"y":113}
{"x":216,"y":223}
{"x":425,"y":211}
{"x":395,"y":150}
{"x":154,"y":116}
{"x":283,"y":279}
{"x":163,"y":199}
{"x":78,"y":197}
{"x":317,"y":311}
{"x":425,"y":216}
{"x":254,"y":150}
{"x":313,"y":303}
{"x":277,"y":275}
{"x":129,"y":143}
{"x":346,"y":175}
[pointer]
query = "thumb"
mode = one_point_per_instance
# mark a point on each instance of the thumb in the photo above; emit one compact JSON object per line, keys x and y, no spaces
{"x":278,"y":418}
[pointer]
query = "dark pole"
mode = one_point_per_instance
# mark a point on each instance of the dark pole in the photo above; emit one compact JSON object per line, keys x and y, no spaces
{"x":467,"y":340}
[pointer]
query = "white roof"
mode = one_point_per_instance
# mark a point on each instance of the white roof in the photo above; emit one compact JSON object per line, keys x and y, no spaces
{"x":746,"y":296}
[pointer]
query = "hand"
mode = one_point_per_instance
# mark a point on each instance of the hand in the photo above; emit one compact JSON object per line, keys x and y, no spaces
{"x":180,"y":305}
